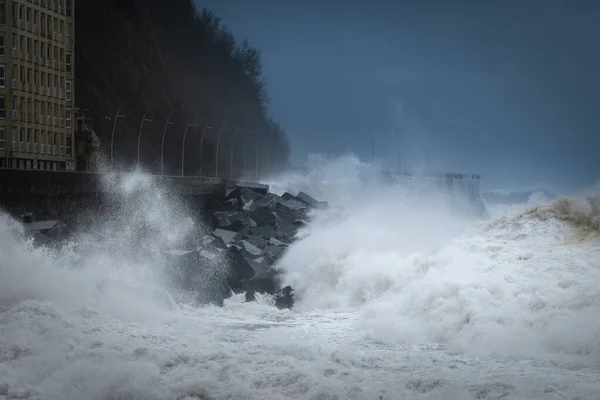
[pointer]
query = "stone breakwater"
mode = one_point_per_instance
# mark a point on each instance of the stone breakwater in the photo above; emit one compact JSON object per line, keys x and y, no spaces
{"x":234,"y":247}
{"x":250,"y":231}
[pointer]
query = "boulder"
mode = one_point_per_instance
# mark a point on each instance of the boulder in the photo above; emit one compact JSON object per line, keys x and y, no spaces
{"x":273,"y":252}
{"x":256,"y":240}
{"x":296,"y":205}
{"x":304,"y":198}
{"x":284,"y":298}
{"x":275,"y":242}
{"x":231,"y":220}
{"x":225,"y":236}
{"x":269,"y":201}
{"x":265,"y":283}
{"x":262,"y":215}
{"x":250,"y":248}
{"x":288,"y":196}
{"x":266,"y":231}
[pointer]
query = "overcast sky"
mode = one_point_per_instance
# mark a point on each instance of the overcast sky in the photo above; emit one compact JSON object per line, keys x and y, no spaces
{"x":509,"y":89}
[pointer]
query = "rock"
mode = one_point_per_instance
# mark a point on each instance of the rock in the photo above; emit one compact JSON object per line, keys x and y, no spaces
{"x":270,"y":201}
{"x":284,"y":298}
{"x":256,"y":240}
{"x":231,"y":220}
{"x":288,"y":214}
{"x":296,"y":205}
{"x":273,"y":252}
{"x":275,"y":242}
{"x":303,"y":197}
{"x":250,"y":248}
{"x":226,"y":236}
{"x":266,"y":231}
{"x":265,"y":283}
{"x":250,"y":297}
{"x":263,"y":215}
{"x":288,"y":196}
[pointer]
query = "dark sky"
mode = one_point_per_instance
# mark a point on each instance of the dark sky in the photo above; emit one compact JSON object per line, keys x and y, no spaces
{"x":509,"y":89}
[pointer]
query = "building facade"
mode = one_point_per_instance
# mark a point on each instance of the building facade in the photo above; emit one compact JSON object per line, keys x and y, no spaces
{"x":37,"y":84}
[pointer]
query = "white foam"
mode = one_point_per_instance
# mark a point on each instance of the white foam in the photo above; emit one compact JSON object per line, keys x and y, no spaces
{"x":398,"y":300}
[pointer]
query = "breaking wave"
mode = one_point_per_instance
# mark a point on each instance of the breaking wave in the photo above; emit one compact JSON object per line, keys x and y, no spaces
{"x":398,"y":295}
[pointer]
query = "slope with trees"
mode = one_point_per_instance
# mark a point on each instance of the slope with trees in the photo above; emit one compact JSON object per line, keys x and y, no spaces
{"x":169,"y":58}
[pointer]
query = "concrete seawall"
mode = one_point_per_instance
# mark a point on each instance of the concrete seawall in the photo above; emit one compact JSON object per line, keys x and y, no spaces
{"x":76,"y":196}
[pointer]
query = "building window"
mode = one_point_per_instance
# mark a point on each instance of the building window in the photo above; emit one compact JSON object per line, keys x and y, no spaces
{"x":2,"y":139}
{"x":2,"y":75}
{"x":2,"y":108}
{"x":68,"y":8}
{"x":68,"y":90}
{"x":68,"y":30}
{"x":2,"y":12}
{"x":2,"y":44}
{"x":69,"y":63}
{"x":69,"y":144}
{"x":68,"y":117}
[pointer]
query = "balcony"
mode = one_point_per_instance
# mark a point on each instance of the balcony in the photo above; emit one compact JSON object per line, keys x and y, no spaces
{"x":14,"y":146}
{"x":14,"y":52}
{"x":55,"y":92}
{"x":35,"y":28}
{"x":55,"y":121}
{"x":43,"y":148}
{"x":41,"y":90}
{"x":61,"y":93}
{"x":29,"y":147}
{"x":14,"y":83}
{"x":49,"y":92}
{"x":22,"y":147}
{"x":55,"y":149}
{"x":35,"y":147}
{"x":28,"y":25}
{"x":14,"y":114}
{"x":62,"y":123}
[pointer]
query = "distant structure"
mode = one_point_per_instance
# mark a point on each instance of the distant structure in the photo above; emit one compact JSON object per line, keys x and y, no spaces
{"x":37,"y":84}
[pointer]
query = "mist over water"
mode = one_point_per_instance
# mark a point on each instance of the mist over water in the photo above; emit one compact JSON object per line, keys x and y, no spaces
{"x":399,"y":292}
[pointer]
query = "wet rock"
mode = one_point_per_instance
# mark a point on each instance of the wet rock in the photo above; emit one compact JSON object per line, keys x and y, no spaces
{"x":250,"y":248}
{"x":266,"y":231}
{"x":284,"y":298}
{"x":226,"y":236}
{"x":265,"y":283}
{"x":304,"y":198}
{"x":296,"y":205}
{"x":285,"y":213}
{"x":269,"y":201}
{"x":275,"y":242}
{"x":250,"y":297}
{"x":263,"y":215}
{"x":273,"y":252}
{"x":256,"y":240}
{"x":231,"y":220}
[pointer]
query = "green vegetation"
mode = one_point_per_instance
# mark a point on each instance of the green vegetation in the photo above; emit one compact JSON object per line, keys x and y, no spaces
{"x":167,"y":57}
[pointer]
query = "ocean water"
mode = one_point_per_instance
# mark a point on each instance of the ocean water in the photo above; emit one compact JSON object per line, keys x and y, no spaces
{"x":399,"y":296}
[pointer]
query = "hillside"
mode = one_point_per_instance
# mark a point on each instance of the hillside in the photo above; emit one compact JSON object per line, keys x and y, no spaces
{"x":169,"y":58}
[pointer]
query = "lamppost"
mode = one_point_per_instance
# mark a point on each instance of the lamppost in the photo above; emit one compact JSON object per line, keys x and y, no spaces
{"x":257,"y":146}
{"x":162,"y":145}
{"x":204,"y":128}
{"x":183,"y":144}
{"x":231,"y":154}
{"x":144,"y":119}
{"x":244,"y":150}
{"x":217,"y":152}
{"x":112,"y":136}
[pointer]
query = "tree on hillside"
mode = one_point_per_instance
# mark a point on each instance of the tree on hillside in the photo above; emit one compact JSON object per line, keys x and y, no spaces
{"x":168,"y":58}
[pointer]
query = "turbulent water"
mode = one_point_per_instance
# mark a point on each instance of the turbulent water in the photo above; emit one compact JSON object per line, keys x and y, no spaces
{"x":399,"y":297}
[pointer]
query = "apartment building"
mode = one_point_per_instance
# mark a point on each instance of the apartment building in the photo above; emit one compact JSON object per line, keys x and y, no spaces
{"x":37,"y":84}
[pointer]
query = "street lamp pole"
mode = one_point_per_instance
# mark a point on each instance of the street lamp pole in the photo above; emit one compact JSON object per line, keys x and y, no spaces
{"x":204,"y":128}
{"x":183,"y":144}
{"x":257,"y":146}
{"x":162,"y":145}
{"x":244,"y":150}
{"x":144,"y":119}
{"x":112,"y":136}
{"x":231,"y":154}
{"x":217,"y":155}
